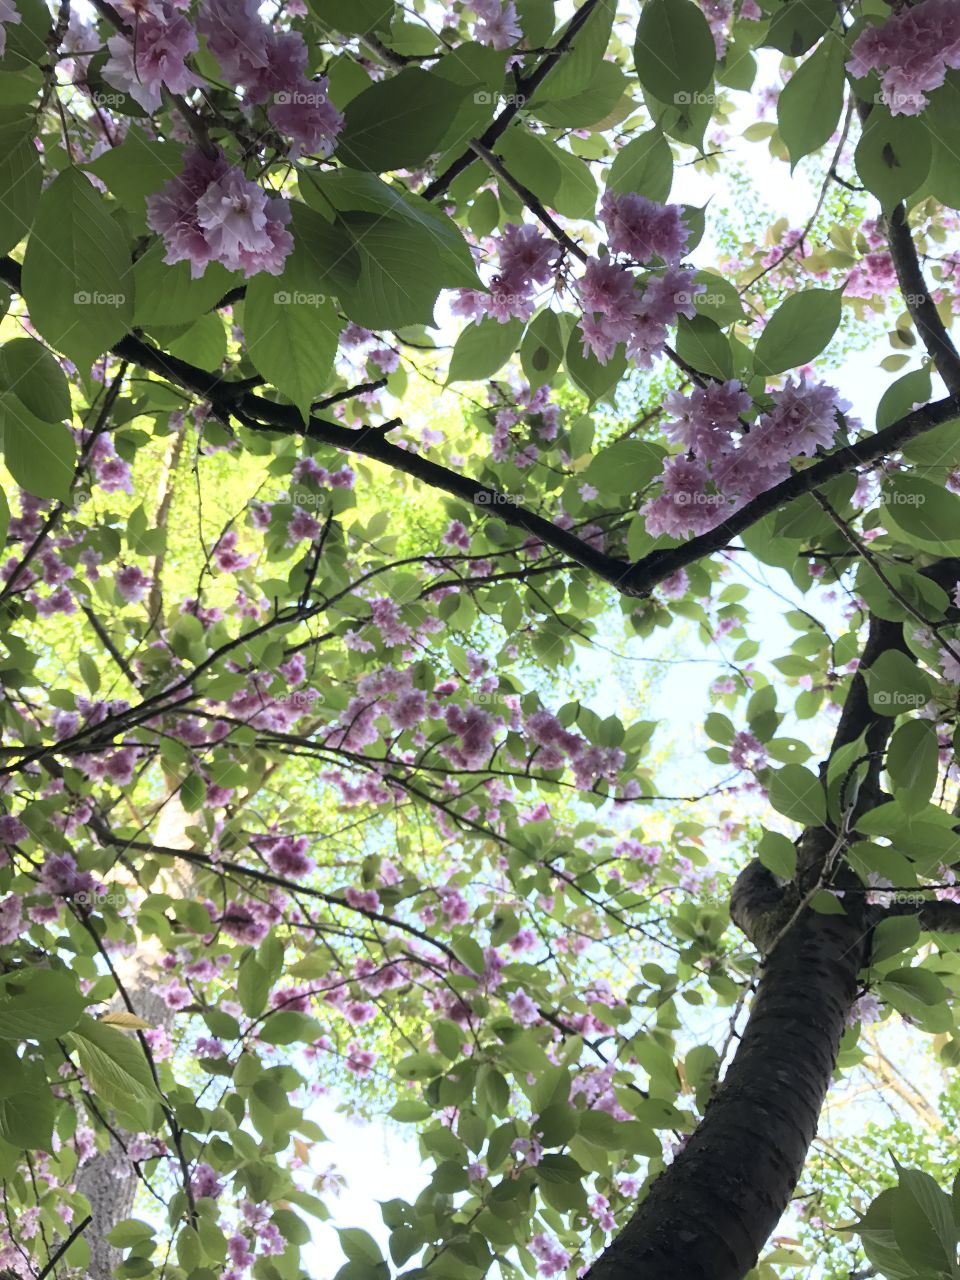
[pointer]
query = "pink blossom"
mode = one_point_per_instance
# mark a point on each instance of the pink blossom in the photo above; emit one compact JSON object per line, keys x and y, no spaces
{"x":210,"y":212}
{"x":912,"y":49}
{"x":642,"y":229}
{"x":12,"y":923}
{"x":497,"y":23}
{"x":522,"y":1008}
{"x":132,"y":584}
{"x":747,"y":751}
{"x":152,"y":58}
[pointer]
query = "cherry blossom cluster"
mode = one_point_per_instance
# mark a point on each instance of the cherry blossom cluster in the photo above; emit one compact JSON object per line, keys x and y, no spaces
{"x":271,"y":66}
{"x":726,"y":462}
{"x":527,"y":259}
{"x":523,"y":424}
{"x":211,"y":213}
{"x":619,"y":308}
{"x":266,"y":64}
{"x":912,"y":51}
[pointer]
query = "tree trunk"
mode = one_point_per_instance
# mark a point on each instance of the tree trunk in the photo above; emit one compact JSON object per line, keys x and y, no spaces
{"x":109,"y":1180}
{"x":708,"y":1215}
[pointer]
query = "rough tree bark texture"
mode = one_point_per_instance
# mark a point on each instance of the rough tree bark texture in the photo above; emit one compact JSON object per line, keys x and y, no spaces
{"x":109,"y":1180}
{"x":710,"y":1213}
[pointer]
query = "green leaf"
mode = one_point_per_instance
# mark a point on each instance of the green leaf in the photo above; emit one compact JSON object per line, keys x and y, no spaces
{"x":576,"y":69}
{"x":798,"y":24}
{"x":892,"y":936}
{"x":253,"y":985}
{"x":482,"y":349}
{"x":39,"y":455}
{"x":130,"y":1232}
{"x":421,"y":1066}
{"x":913,"y":763}
{"x":77,"y":281}
{"x":137,"y":168}
{"x":900,"y":397}
{"x":542,"y":348}
{"x":291,"y":335}
{"x":798,"y":330}
{"x":778,"y":854}
{"x":29,"y":370}
{"x":674,"y":52}
{"x":895,"y":684}
{"x":354,"y":17}
{"x":797,"y":793}
{"x":114,"y":1064}
{"x":39,"y":1004}
{"x":401,"y":273}
{"x":26,"y":1119}
{"x":923,"y":1222}
{"x":644,"y":165}
{"x":204,"y":343}
{"x":347,"y":191}
{"x":826,"y":903}
{"x":893,"y":156}
{"x":359,"y":1245}
{"x":168,"y":295}
{"x":593,"y":103}
{"x":21,"y":177}
{"x":702,"y":344}
{"x":809,"y":106}
{"x":594,"y":379}
{"x":399,"y":122}
{"x":624,"y":467}
{"x":920,"y":995}
{"x":924,"y":513}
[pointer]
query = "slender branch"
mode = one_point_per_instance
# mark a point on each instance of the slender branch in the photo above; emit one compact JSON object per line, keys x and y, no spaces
{"x":525,"y":88}
{"x":77,"y":1231}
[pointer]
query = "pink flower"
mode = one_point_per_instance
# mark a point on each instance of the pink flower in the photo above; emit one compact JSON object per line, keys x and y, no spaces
{"x":552,"y":1259}
{"x":497,"y":23}
{"x":302,"y":525}
{"x":747,"y":751}
{"x":12,"y":829}
{"x":11,"y":919}
{"x":642,"y":229}
{"x":210,"y":212}
{"x":522,"y":1008}
{"x":205,"y":1182}
{"x":912,"y":50}
{"x":152,"y":58}
{"x":132,"y":584}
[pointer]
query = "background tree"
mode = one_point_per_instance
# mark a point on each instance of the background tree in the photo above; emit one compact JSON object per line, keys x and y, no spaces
{"x":300,"y":784}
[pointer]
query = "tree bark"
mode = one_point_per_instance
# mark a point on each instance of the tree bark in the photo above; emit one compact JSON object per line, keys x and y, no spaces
{"x":710,"y":1213}
{"x":109,"y":1180}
